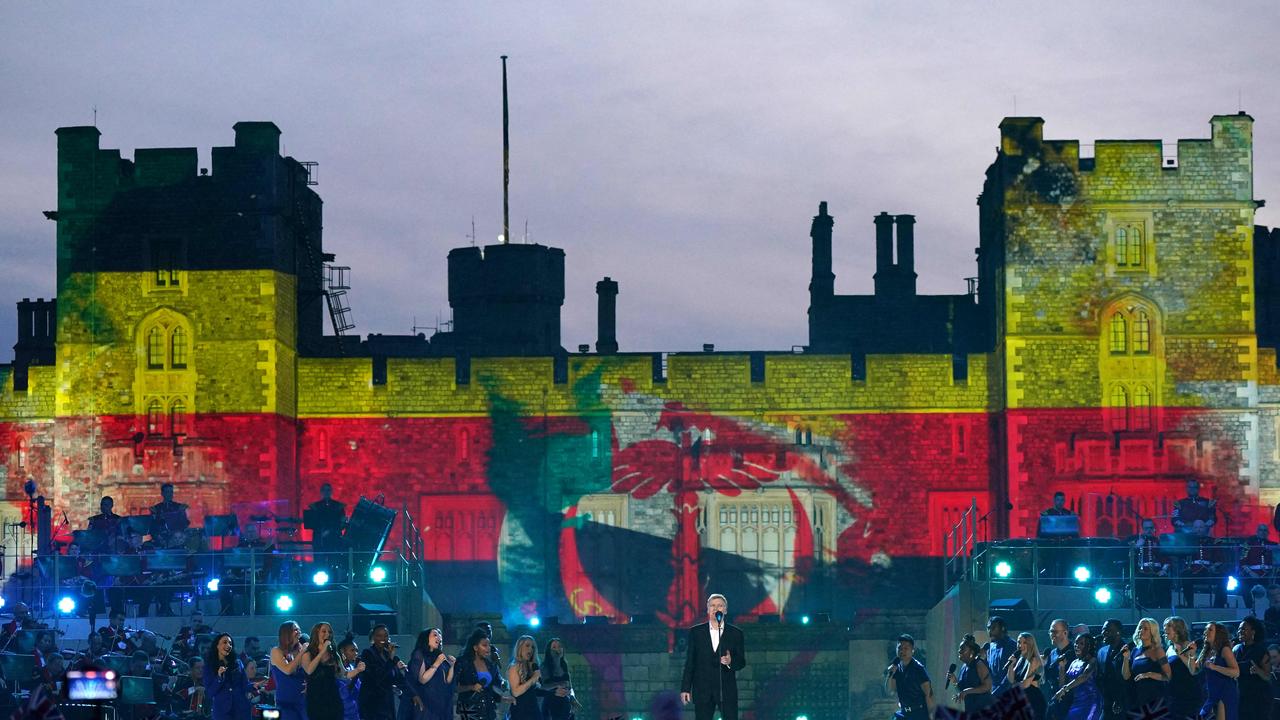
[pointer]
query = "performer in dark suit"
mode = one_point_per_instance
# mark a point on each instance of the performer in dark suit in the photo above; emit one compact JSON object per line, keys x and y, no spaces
{"x":716,"y":653}
{"x":325,"y":518}
{"x":169,"y":519}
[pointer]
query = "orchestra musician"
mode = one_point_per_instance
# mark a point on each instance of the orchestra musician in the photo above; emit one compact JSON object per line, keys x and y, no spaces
{"x":118,"y":638}
{"x":1059,"y":506}
{"x":169,"y":520}
{"x":105,"y":526}
{"x":1192,"y":509}
{"x":1256,"y":562}
{"x":1204,"y":567}
{"x":326,"y":518}
{"x":1152,"y":571}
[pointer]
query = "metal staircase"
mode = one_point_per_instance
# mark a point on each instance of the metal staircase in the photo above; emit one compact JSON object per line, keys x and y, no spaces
{"x":336,"y":284}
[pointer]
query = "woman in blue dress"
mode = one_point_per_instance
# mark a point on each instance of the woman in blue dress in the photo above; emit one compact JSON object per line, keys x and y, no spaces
{"x":1146,"y":666}
{"x":435,"y":673}
{"x":349,"y":685}
{"x":1218,"y":663}
{"x":1086,"y":703}
{"x":973,"y":684}
{"x":1184,"y":686}
{"x":225,"y":682}
{"x":287,"y":672}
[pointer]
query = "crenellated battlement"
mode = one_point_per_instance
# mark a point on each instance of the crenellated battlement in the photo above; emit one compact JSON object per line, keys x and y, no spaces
{"x":729,"y":382}
{"x":1217,"y":168}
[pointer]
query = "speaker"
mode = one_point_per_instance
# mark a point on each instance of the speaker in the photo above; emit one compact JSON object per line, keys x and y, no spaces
{"x":1015,"y":611}
{"x":367,"y":615}
{"x":367,"y":531}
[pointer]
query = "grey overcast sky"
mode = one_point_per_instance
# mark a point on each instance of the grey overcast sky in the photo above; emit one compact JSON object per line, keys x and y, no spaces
{"x":679,"y":147}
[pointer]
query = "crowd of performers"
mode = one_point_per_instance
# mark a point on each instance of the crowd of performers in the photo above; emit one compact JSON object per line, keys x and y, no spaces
{"x":1205,"y":674}
{"x":313,"y":676}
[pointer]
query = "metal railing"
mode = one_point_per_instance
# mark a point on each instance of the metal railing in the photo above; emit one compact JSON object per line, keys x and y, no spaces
{"x":958,"y":545}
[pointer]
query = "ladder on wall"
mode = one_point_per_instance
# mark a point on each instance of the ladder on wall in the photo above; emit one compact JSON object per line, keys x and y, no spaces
{"x":336,"y":284}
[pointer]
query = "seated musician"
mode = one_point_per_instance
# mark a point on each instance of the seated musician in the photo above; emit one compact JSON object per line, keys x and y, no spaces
{"x":46,"y":649}
{"x":169,"y":520}
{"x":1256,"y":562}
{"x":1194,"y":509}
{"x":1151,"y":586}
{"x":94,"y":649}
{"x":1204,"y":567}
{"x":188,"y":692}
{"x":22,"y":620}
{"x":117,"y":637}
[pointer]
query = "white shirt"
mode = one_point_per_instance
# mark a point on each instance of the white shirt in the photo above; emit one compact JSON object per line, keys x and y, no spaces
{"x":715,"y":636}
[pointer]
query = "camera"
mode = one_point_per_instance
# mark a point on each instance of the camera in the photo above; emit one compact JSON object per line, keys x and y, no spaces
{"x":92,"y":685}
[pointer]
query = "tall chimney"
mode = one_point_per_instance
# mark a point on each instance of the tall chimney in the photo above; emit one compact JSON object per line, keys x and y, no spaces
{"x":884,"y":253}
{"x":607,"y":316}
{"x":506,"y":160}
{"x":822,"y":283}
{"x":907,"y":252}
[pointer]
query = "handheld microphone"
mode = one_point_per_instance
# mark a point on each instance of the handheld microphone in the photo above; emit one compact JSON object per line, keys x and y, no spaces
{"x":720,"y":617}
{"x":950,"y":671}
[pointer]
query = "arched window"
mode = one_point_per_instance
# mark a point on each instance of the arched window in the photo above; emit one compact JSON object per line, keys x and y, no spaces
{"x":750,"y":542}
{"x":789,"y":547}
{"x":1136,"y":250}
{"x":155,"y":349}
{"x":728,"y":540}
{"x":178,"y":348}
{"x":22,"y":454}
{"x":1142,"y":408}
{"x":1119,"y":334}
{"x":1141,"y":332}
{"x":155,"y":418}
{"x":1122,"y":246}
{"x":1119,"y":408}
{"x":770,"y":546}
{"x":178,"y":418}
{"x":464,"y":445}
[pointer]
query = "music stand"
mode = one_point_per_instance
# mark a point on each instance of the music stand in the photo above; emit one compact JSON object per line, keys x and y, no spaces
{"x":67,"y":566}
{"x":137,"y":690}
{"x":221,"y":525}
{"x":17,"y":667}
{"x":122,"y":565}
{"x":24,"y":641}
{"x":1059,"y":526}
{"x":140,"y":524}
{"x":117,"y":662}
{"x":175,"y":559}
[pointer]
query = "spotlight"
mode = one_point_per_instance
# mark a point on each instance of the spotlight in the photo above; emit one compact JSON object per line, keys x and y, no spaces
{"x":1102,"y":595}
{"x":804,"y":619}
{"x":2,"y":600}
{"x":802,"y":717}
{"x":320,"y":578}
{"x":1003,"y":569}
{"x":377,"y":573}
{"x":284,"y":603}
{"x":212,"y":585}
{"x":1082,"y":574}
{"x":66,"y":605}
{"x":1232,"y":583}
{"x":535,"y":621}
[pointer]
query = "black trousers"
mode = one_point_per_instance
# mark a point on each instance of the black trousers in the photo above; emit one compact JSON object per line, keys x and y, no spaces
{"x":706,"y":709}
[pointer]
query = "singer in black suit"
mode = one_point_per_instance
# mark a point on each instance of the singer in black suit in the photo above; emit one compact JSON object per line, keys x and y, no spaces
{"x":716,"y":653}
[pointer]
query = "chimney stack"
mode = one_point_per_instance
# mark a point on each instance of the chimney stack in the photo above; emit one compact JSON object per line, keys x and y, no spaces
{"x":822,"y":282}
{"x":607,"y":316}
{"x":907,"y":253}
{"x":884,"y":253}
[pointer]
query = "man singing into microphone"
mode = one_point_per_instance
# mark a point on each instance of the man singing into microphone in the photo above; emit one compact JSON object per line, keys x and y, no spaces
{"x":714,"y":657}
{"x":908,"y":678}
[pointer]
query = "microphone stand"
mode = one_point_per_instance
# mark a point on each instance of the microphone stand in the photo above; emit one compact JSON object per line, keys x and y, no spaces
{"x":719,"y":664}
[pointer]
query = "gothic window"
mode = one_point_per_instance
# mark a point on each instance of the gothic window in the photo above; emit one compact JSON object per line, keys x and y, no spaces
{"x":1119,"y":408}
{"x":178,"y":418}
{"x":155,"y":418}
{"x":1142,"y":408}
{"x":750,"y":542}
{"x":1119,"y":334}
{"x":1141,"y":332}
{"x":155,"y":349}
{"x":22,"y":454}
{"x":322,"y":448}
{"x":728,"y":540}
{"x":1129,"y":242}
{"x":178,"y":349}
{"x":165,"y":263}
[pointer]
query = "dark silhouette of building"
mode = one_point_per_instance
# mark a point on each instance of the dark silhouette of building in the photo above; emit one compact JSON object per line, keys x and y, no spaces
{"x":895,"y":319}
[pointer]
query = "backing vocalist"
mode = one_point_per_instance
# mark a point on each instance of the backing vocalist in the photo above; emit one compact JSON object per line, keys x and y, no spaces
{"x":716,"y":653}
{"x":908,"y":678}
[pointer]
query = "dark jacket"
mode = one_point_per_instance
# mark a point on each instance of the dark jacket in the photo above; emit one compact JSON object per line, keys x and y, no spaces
{"x":704,"y":675}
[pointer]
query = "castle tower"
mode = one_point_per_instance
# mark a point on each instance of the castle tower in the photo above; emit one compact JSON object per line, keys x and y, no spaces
{"x":506,"y":299}
{"x":183,"y":297}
